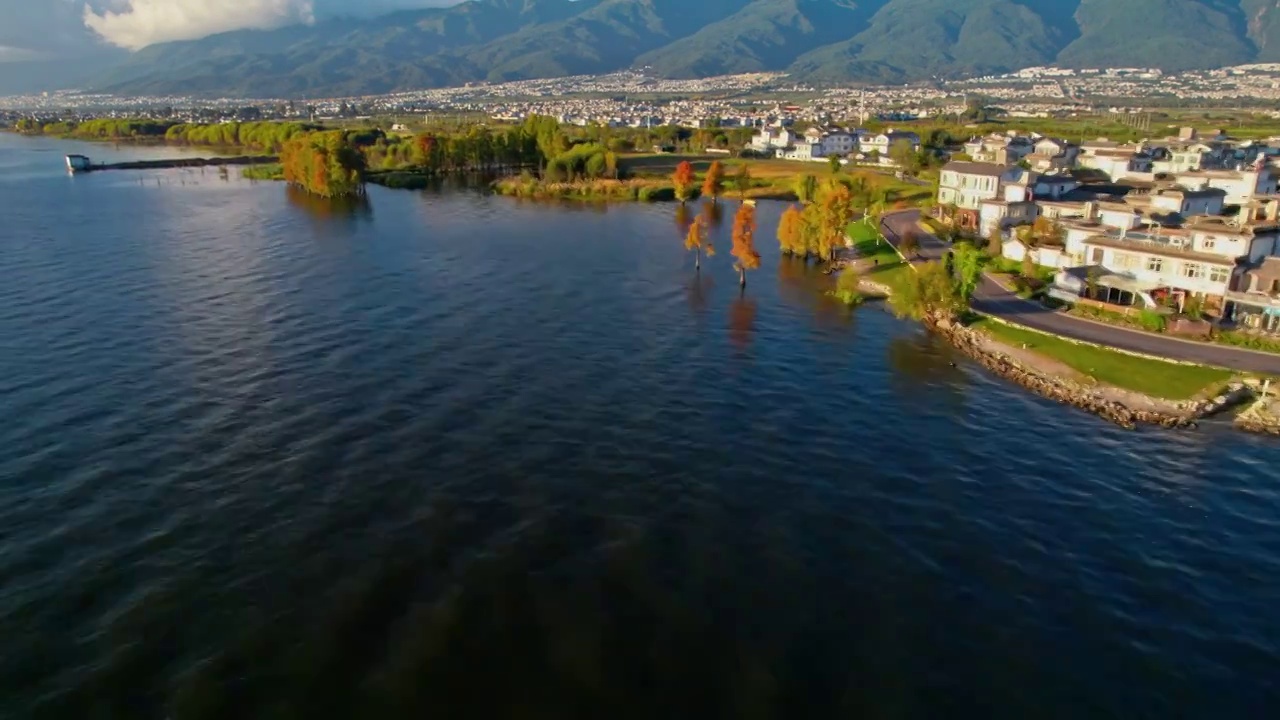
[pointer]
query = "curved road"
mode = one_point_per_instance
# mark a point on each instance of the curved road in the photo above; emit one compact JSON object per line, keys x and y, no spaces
{"x":991,"y":299}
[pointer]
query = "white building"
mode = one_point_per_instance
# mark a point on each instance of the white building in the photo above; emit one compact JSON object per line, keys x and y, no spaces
{"x":1202,"y":259}
{"x":839,"y":143}
{"x":1240,"y":185}
{"x":771,"y":139}
{"x":882,"y":143}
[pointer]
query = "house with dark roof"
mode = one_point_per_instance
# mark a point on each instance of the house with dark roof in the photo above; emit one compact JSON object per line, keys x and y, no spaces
{"x":966,"y":185}
{"x":1254,"y":301}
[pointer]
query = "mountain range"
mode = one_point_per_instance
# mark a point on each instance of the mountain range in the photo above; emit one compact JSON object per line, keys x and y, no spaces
{"x":842,"y":41}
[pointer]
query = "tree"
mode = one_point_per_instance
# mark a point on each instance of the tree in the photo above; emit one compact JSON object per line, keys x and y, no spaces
{"x":744,"y":245}
{"x":966,"y":266}
{"x":743,"y":180}
{"x":807,"y":189}
{"x":699,"y":241}
{"x":847,"y":287}
{"x":995,"y":244}
{"x":836,"y":206}
{"x":927,"y":293}
{"x":1047,"y":231}
{"x":833,"y":162}
{"x":713,"y":185}
{"x":683,"y":179}
{"x":909,"y":244}
{"x":324,"y":163}
{"x":1028,"y":265}
{"x":905,"y":157}
{"x":791,"y":238}
{"x":810,"y":230}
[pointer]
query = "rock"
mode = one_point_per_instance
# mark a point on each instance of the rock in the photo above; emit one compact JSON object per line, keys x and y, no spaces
{"x":1057,"y":389}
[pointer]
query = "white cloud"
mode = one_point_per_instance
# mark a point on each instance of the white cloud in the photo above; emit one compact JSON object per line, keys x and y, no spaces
{"x":134,"y":24}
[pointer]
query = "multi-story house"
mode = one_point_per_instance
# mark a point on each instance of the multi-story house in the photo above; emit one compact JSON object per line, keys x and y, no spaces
{"x":1060,"y":152}
{"x":1202,"y":259}
{"x":839,"y":142}
{"x":1116,"y":163}
{"x":1000,"y":148}
{"x":1240,"y":185}
{"x":771,"y":139}
{"x":1186,"y":203}
{"x":881,"y":143}
{"x":966,"y":184}
{"x":1253,"y":302}
{"x":1187,"y":157}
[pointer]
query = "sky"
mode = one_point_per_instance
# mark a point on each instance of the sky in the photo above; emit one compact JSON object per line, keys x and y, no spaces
{"x":48,"y":29}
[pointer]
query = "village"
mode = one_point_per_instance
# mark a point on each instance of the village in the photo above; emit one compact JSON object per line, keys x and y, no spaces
{"x":1186,"y":225}
{"x":1170,"y":226}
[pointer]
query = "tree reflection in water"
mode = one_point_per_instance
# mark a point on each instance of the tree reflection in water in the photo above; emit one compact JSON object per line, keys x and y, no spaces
{"x":697,"y":291}
{"x":742,"y":322}
{"x":682,"y":219}
{"x":713,"y":214}
{"x":354,"y":207}
{"x":802,"y":285}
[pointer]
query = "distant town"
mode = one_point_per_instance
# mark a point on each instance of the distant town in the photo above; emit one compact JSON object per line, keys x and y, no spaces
{"x":637,"y":99}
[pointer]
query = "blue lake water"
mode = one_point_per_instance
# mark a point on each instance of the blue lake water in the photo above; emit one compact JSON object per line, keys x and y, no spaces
{"x":444,"y":454}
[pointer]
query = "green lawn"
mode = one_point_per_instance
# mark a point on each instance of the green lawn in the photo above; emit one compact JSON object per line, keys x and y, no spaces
{"x":1151,"y":377}
{"x":866,"y":238}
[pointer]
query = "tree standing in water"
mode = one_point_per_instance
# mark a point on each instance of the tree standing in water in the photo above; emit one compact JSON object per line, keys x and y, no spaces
{"x":699,"y":242}
{"x":744,"y":245}
{"x":791,"y":232}
{"x":836,"y":208}
{"x":683,"y":179}
{"x":713,"y":185}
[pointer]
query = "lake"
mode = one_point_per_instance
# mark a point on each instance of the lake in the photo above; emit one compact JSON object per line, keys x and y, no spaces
{"x":447,"y":454}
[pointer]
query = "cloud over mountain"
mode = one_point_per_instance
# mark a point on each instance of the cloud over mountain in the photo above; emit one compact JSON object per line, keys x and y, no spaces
{"x":135,"y":24}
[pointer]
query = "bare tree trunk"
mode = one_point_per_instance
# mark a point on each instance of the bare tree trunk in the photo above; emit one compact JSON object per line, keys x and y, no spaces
{"x":742,"y":277}
{"x":697,"y":260}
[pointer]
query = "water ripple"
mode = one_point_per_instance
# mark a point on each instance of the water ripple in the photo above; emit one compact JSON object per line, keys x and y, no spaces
{"x":445,"y":452}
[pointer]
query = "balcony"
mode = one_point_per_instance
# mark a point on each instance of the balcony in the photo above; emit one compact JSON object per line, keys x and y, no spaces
{"x":1255,"y":299}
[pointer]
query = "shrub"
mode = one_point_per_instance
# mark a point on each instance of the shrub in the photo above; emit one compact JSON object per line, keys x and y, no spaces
{"x":1151,"y":321}
{"x":847,"y":289}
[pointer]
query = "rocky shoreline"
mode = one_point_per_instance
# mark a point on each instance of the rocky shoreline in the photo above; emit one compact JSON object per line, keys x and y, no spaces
{"x":1260,"y":417}
{"x":1177,"y":415}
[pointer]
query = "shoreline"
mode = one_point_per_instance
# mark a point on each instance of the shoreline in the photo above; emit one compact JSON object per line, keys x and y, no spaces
{"x":1125,"y":408}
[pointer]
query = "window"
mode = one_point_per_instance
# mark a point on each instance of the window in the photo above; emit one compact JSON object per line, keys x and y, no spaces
{"x":1155,"y":264}
{"x":1209,"y":244}
{"x":1194,"y":271}
{"x":1125,"y":261}
{"x":1219,"y":274}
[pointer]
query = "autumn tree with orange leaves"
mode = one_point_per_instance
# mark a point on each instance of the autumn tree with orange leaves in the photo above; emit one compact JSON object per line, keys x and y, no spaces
{"x":744,"y":243}
{"x":324,"y":163}
{"x":683,"y":178}
{"x":791,"y":235}
{"x":699,"y":241}
{"x":836,"y":212}
{"x":713,"y":184}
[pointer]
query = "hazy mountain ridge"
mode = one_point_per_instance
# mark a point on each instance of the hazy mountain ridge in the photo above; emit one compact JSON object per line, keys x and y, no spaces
{"x":823,"y":40}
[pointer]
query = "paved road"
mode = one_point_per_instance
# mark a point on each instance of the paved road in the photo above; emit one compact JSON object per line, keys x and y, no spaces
{"x":895,"y":225}
{"x":991,"y":299}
